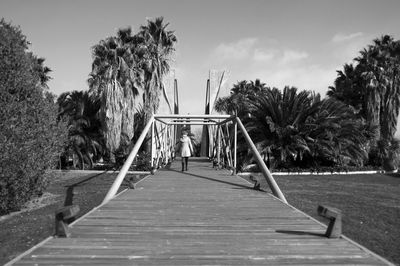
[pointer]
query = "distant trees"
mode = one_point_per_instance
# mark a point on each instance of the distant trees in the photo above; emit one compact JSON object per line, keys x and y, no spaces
{"x":298,"y":129}
{"x":372,"y":87}
{"x":31,"y":139}
{"x":354,"y":125}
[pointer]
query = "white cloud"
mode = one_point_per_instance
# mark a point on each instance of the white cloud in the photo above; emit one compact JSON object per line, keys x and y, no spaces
{"x":340,"y":37}
{"x":235,"y":50}
{"x":304,"y":77}
{"x":292,"y":56}
{"x":263,"y":56}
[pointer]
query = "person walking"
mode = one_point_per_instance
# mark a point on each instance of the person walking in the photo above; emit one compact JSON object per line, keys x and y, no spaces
{"x":186,"y":150}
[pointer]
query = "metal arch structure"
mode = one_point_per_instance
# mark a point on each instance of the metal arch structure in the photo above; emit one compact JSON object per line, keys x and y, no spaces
{"x":163,"y":134}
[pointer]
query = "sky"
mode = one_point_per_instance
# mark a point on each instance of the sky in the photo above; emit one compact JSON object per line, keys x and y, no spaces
{"x":287,"y":42}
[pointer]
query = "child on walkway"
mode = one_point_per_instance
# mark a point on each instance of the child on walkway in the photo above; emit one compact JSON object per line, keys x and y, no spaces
{"x":186,"y":150}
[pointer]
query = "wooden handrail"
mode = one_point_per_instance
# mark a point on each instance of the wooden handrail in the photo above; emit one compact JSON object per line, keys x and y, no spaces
{"x":118,"y":180}
{"x":264,"y":169}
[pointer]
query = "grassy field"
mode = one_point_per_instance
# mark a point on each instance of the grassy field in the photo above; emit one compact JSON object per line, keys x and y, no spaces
{"x":370,"y":203}
{"x":370,"y":206}
{"x":20,"y":231}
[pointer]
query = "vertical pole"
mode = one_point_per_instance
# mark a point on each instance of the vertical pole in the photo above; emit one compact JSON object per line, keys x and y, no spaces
{"x":229,"y":142}
{"x":165,"y":144}
{"x":235,"y":150}
{"x":152,"y":144}
{"x":218,"y":146}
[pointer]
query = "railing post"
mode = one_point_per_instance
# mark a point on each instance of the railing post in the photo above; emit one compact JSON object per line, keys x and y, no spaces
{"x":235,"y":150}
{"x":120,"y":177}
{"x":271,"y":181}
{"x":218,"y":146}
{"x":165,"y":145}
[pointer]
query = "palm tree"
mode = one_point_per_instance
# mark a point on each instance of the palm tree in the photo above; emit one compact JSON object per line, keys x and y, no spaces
{"x":373,"y":88}
{"x":115,"y":79}
{"x":336,"y":134}
{"x":298,"y":128}
{"x":236,"y":102}
{"x":348,"y":88}
{"x":277,"y":121}
{"x":380,"y":68}
{"x":160,"y":45}
{"x":84,"y":130}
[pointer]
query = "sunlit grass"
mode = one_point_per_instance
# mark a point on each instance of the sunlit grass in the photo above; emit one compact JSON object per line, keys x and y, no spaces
{"x":370,"y":206}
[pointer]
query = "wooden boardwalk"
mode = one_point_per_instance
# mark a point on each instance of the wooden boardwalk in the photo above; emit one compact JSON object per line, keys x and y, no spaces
{"x":199,"y":217}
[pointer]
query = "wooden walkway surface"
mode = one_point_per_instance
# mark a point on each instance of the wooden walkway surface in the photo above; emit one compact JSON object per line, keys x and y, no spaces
{"x":199,"y":217}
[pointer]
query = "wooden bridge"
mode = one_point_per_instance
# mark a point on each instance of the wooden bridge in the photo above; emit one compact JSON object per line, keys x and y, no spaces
{"x":199,"y":217}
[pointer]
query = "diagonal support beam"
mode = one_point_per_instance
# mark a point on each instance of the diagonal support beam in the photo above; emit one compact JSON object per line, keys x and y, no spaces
{"x":122,"y":173}
{"x":267,"y":174}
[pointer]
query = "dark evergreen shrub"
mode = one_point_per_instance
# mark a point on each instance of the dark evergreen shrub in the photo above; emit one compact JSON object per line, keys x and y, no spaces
{"x":30,"y":137}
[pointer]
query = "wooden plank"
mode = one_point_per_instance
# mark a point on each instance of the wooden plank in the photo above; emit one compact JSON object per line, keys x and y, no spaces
{"x":199,"y":217}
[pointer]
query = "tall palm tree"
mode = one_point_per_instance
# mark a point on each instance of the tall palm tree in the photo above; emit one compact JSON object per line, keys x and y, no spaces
{"x":160,"y":45}
{"x":115,"y":78}
{"x":380,"y":69}
{"x":373,"y":88}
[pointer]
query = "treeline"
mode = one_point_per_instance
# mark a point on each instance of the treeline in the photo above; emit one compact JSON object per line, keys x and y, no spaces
{"x":39,"y":132}
{"x":353,"y":126}
{"x":106,"y":120}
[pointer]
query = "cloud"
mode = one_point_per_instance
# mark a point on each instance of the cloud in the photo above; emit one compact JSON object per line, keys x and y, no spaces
{"x":304,"y":77}
{"x":235,"y":50}
{"x":340,"y":37}
{"x":263,"y":56}
{"x":292,"y":56}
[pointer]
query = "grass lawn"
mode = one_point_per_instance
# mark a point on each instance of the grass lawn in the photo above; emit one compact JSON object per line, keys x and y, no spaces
{"x":370,"y":206}
{"x":21,"y":231}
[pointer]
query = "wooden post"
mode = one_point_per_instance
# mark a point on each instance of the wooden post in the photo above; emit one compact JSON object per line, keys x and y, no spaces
{"x":267,"y":175}
{"x":62,"y":216}
{"x":118,"y":180}
{"x":334,"y":215}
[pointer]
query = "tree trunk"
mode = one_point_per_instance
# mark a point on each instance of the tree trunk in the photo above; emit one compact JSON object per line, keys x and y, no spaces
{"x":128,"y":117}
{"x":111,"y":114}
{"x":150,"y":105}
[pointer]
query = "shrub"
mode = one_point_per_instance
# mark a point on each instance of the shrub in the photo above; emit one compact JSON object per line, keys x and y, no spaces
{"x":30,"y":137}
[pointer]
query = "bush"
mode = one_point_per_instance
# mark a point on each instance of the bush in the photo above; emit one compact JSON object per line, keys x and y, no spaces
{"x":30,"y":137}
{"x":30,"y":142}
